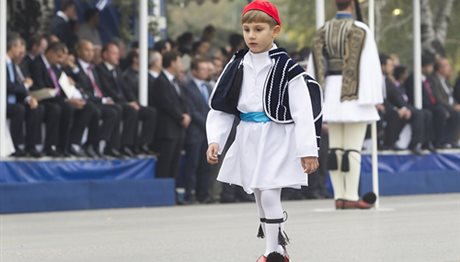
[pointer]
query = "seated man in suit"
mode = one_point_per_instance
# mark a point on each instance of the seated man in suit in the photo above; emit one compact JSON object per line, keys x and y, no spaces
{"x":21,"y":107}
{"x":173,"y":114}
{"x":444,"y":94}
{"x":114,"y":86}
{"x":107,"y":116}
{"x":35,"y":46}
{"x":66,"y":116}
{"x":397,"y":99}
{"x":437,"y":112}
{"x":196,"y":166}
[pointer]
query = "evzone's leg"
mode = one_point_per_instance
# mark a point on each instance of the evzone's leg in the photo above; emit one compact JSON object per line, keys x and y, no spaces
{"x":261,"y":231}
{"x":336,"y":144}
{"x":275,"y":238}
{"x":354,"y":134}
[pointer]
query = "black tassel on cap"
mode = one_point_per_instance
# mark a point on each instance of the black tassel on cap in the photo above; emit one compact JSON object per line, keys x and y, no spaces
{"x":332,"y":159}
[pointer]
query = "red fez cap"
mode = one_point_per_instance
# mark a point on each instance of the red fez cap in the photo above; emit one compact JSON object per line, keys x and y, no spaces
{"x":264,"y":6}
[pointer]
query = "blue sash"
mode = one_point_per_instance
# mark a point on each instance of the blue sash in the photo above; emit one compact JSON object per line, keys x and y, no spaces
{"x":258,"y":117}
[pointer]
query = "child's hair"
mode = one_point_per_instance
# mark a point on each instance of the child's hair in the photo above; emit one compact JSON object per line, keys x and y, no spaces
{"x":256,"y":16}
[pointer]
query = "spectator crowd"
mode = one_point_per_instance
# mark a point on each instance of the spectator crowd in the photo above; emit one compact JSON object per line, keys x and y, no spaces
{"x":69,"y":81}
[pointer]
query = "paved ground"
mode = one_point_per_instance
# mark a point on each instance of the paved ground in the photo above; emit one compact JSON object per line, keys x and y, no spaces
{"x":415,"y":228}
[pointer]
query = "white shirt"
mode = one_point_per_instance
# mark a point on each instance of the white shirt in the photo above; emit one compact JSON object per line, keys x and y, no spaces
{"x":63,"y":16}
{"x":154,"y":74}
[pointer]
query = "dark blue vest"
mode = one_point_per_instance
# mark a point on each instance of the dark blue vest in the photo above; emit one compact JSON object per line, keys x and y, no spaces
{"x":275,"y":94}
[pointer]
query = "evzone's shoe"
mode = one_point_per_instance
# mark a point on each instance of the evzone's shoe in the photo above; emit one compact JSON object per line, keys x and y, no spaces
{"x":262,"y":259}
{"x":339,"y":203}
{"x":274,"y":257}
{"x":360,"y":204}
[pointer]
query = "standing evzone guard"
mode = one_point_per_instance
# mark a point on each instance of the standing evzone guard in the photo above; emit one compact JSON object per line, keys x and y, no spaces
{"x":345,"y":62}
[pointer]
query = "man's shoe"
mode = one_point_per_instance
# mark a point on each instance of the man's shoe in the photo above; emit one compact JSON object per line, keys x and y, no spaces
{"x":33,"y":152}
{"x":19,"y":153}
{"x":52,"y":152}
{"x":126,"y":151}
{"x":430,"y":147}
{"x":90,"y":152}
{"x":417,"y":149}
{"x":396,"y":148}
{"x":145,"y":150}
{"x":112,"y":152}
{"x":76,"y":150}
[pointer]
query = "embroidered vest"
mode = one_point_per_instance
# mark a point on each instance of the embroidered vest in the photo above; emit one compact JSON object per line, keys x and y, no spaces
{"x":337,"y":48}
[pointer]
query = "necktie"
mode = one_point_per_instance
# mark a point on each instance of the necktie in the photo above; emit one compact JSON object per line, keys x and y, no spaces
{"x":430,"y":93}
{"x":97,"y":91}
{"x":204,"y":92}
{"x":19,"y":74}
{"x":11,"y":72}
{"x":55,"y":81}
{"x":11,"y":98}
{"x":176,"y":86}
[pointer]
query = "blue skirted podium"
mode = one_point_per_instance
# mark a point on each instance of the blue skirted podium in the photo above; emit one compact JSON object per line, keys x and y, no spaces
{"x":55,"y":185}
{"x":405,"y":174}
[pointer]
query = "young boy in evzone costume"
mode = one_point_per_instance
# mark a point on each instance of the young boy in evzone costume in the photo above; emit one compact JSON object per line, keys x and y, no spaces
{"x":276,"y":143}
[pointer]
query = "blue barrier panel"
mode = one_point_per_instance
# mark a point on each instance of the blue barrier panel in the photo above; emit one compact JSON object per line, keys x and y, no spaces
{"x":76,"y":170}
{"x":58,"y":196}
{"x":410,"y":174}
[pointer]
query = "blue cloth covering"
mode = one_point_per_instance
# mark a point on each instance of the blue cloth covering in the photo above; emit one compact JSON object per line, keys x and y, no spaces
{"x":258,"y":117}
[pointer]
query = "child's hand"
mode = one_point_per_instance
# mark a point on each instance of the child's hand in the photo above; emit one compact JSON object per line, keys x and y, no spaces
{"x":309,"y":164}
{"x":212,"y":155}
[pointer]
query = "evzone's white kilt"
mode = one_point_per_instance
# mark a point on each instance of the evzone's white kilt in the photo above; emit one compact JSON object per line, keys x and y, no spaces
{"x":263,"y":156}
{"x":347,"y":111}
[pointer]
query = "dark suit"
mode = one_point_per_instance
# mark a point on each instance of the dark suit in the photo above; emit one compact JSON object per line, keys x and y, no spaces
{"x":196,"y":166}
{"x":457,"y":90}
{"x":131,"y":78}
{"x":26,"y":65}
{"x":65,"y":124}
{"x":113,"y":86}
{"x":18,"y":112}
{"x":169,"y":135}
{"x":109,"y":114}
{"x":451,"y":119}
{"x":64,"y":31}
{"x":397,"y":99}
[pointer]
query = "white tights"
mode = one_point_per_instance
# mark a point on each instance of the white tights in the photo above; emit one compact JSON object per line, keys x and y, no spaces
{"x":269,"y":206}
{"x":347,"y":136}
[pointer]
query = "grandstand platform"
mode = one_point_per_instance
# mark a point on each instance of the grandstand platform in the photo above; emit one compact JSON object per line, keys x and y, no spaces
{"x":54,"y":185}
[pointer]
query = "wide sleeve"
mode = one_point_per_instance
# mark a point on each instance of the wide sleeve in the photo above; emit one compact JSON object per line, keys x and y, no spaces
{"x":370,"y":72}
{"x":218,"y":127}
{"x":302,"y":114}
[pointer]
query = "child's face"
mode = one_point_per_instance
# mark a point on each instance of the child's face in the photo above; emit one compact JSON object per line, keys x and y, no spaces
{"x":259,"y":36}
